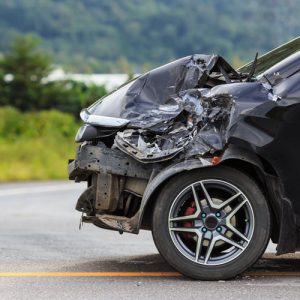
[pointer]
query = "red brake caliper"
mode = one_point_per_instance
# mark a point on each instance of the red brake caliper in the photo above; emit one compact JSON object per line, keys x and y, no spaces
{"x":190,"y":210}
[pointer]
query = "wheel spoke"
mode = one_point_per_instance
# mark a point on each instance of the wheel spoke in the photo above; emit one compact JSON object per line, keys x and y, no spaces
{"x":195,"y":214}
{"x":226,"y":202}
{"x":183,"y":218}
{"x":207,"y":196}
{"x":231,"y":242}
{"x":234,"y":211}
{"x":237,"y":232}
{"x":198,"y":246}
{"x":184,"y":229}
{"x":209,"y":250}
{"x":197,"y":201}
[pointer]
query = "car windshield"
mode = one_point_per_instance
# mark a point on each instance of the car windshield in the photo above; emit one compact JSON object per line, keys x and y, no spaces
{"x":269,"y":59}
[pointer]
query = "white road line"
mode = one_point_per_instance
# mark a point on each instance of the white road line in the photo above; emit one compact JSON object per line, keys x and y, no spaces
{"x":40,"y":189}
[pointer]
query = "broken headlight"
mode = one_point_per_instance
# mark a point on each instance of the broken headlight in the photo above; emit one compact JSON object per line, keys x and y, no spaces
{"x":88,"y":133}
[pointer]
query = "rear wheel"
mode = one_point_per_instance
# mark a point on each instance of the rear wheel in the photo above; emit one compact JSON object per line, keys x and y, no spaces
{"x":212,"y":223}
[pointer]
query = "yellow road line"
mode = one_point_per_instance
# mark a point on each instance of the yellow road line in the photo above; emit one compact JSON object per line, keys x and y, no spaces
{"x":89,"y":274}
{"x":130,"y":274}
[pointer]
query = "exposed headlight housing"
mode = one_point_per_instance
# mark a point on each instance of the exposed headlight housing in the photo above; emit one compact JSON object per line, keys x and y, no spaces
{"x":89,"y":132}
{"x":102,"y":121}
{"x":86,"y":133}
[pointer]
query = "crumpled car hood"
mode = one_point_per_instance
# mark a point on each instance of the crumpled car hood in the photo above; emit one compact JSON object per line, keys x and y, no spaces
{"x":192,"y":106}
{"x":150,"y":98}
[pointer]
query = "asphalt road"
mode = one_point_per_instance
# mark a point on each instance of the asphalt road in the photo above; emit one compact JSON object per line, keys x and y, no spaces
{"x":40,"y":238}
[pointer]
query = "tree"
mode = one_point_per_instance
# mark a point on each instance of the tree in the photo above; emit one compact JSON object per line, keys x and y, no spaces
{"x":22,"y":72}
{"x":23,"y":83}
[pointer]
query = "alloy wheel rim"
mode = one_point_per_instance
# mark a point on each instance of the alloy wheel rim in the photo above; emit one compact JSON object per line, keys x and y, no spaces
{"x":211,"y":222}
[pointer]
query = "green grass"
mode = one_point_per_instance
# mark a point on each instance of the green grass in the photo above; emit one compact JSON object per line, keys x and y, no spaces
{"x":35,"y":146}
{"x":30,"y":159}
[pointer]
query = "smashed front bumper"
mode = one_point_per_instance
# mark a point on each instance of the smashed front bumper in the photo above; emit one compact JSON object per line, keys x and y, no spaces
{"x":114,"y":179}
{"x":100,"y":159}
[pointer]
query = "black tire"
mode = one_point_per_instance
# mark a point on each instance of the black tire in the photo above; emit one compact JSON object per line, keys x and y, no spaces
{"x":255,"y":247}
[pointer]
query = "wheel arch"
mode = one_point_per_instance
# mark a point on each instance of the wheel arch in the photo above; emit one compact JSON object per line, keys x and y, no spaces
{"x":249,"y":163}
{"x":156,"y":184}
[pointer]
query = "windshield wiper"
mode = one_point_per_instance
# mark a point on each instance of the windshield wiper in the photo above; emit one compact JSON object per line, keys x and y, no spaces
{"x":249,"y":77}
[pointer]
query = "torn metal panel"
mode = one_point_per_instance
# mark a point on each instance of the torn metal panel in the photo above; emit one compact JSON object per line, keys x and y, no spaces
{"x":204,"y":120}
{"x":101,"y":159}
{"x":149,"y":99}
{"x":108,"y":191}
{"x":148,"y":148}
{"x":197,"y":121}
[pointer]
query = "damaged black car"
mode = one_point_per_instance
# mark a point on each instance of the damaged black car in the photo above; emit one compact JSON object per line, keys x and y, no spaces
{"x":205,"y":156}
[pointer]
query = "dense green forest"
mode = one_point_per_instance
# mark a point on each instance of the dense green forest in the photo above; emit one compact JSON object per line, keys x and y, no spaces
{"x":106,"y":35}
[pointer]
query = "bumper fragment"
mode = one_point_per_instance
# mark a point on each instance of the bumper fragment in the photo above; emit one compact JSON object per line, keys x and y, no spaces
{"x":100,"y":159}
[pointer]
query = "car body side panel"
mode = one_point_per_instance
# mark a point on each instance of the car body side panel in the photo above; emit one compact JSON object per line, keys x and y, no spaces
{"x":271,"y":131}
{"x":282,"y":154}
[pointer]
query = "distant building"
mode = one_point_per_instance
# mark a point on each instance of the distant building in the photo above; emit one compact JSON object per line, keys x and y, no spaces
{"x":110,"y":81}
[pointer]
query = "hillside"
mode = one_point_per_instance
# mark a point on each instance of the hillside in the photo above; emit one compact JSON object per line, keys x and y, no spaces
{"x":103,"y":36}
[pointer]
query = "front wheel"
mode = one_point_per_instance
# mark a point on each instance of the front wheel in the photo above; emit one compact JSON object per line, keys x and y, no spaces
{"x":212,"y":223}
